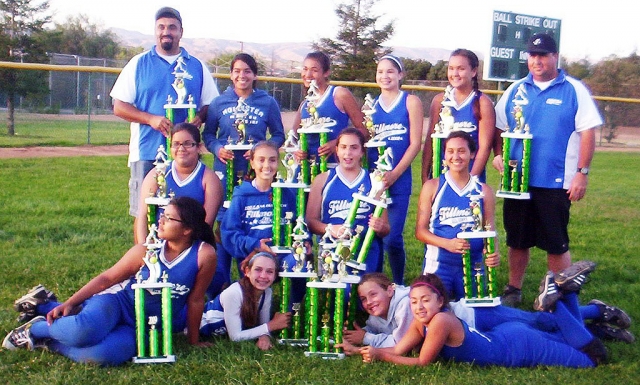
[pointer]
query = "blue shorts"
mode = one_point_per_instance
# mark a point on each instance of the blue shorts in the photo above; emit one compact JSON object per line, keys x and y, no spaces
{"x":139,"y":170}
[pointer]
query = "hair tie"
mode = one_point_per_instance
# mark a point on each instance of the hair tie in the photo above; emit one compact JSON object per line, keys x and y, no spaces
{"x":427,"y":285}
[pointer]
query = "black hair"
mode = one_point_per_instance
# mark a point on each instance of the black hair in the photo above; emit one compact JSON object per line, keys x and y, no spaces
{"x":192,"y":216}
{"x":474,"y":62}
{"x":352,"y":131}
{"x":433,"y":282}
{"x":248,"y":60}
{"x":322,"y":58}
{"x":463,"y":135}
{"x":190,"y":128}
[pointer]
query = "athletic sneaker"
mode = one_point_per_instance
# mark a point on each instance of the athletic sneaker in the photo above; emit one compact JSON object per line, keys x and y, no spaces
{"x":607,"y":332}
{"x":549,"y":293}
{"x":596,"y":351}
{"x":612,"y":315}
{"x":20,"y":337}
{"x":512,"y":296}
{"x":573,"y":277}
{"x":27,"y":304}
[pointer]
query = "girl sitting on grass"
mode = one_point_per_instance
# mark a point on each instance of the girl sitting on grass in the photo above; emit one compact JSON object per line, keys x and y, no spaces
{"x":100,"y":329}
{"x":438,"y":332}
{"x":242,"y":310}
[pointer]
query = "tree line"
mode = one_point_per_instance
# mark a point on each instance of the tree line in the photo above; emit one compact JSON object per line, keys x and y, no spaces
{"x":26,"y":35}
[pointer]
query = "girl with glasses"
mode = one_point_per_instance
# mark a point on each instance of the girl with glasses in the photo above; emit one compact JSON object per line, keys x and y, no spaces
{"x":99,"y":328}
{"x":185,"y":176}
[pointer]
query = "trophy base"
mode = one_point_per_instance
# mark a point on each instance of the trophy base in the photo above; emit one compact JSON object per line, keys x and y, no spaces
{"x":179,"y":106}
{"x":314,"y":129}
{"x":481,"y":302}
{"x":151,"y":285}
{"x":328,"y":284}
{"x":357,"y":265}
{"x":516,"y":135}
{"x":238,"y":147}
{"x":375,"y":143}
{"x":513,"y":195}
{"x":440,"y":135}
{"x":368,"y":199}
{"x":157,"y":201}
{"x":286,"y":184}
{"x":325,"y":355}
{"x":349,"y":278}
{"x":294,"y":342}
{"x":281,"y":249}
{"x":297,"y":274}
{"x":476,"y":234}
{"x":154,"y":360}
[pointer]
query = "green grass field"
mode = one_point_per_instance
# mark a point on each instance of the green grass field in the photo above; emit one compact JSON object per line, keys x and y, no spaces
{"x":64,"y":130}
{"x":63,"y":220}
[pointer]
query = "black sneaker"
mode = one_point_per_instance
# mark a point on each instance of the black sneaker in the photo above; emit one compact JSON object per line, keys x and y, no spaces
{"x":612,"y":315}
{"x":549,"y":293}
{"x":573,"y":277}
{"x":512,"y":296}
{"x":596,"y":351}
{"x":20,"y":337}
{"x":611,"y":333}
{"x":36,"y":296}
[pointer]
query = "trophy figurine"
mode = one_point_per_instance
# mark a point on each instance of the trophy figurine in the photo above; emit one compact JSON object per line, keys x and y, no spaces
{"x":441,"y":131}
{"x":479,"y":280}
{"x":514,"y":183}
{"x":147,"y":341}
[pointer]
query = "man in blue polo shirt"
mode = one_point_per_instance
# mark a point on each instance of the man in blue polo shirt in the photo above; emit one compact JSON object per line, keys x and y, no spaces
{"x":562,"y":118}
{"x":144,"y":86}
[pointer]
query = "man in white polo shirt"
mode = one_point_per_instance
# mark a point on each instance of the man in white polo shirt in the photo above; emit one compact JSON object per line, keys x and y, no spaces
{"x":562,"y":118}
{"x":143,"y":87}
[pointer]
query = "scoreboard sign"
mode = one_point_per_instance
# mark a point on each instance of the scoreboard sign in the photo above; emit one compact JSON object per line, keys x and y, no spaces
{"x":508,"y":54}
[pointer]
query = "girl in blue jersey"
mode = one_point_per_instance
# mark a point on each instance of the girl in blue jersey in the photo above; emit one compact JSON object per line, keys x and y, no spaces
{"x":335,"y":108}
{"x":390,"y":316}
{"x":262,"y":122}
{"x":472,"y":112}
{"x":92,"y":328}
{"x":438,"y":332}
{"x":331,"y":196}
{"x":444,"y":211}
{"x":185,"y":176}
{"x":398,"y":122}
{"x":248,"y":223}
{"x":243,"y":309}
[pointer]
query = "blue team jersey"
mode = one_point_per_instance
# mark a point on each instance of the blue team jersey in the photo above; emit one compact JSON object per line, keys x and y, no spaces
{"x":450,"y":215}
{"x":465,"y":120}
{"x":330,"y":115}
{"x":336,"y":203}
{"x":391,"y":124}
{"x":191,"y":186}
{"x":181,"y":272}
{"x":555,"y":116}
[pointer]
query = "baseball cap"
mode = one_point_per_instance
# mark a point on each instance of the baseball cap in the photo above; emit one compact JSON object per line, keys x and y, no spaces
{"x":169,"y":12}
{"x":542,"y":43}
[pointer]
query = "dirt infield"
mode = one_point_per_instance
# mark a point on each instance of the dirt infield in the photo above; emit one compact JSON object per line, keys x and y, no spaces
{"x":627,"y":139}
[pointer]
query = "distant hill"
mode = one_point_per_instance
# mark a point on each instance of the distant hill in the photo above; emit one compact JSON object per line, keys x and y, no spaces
{"x":283,"y":57}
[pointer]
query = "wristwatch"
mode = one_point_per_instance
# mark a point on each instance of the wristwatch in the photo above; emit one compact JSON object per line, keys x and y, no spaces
{"x":583,"y":170}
